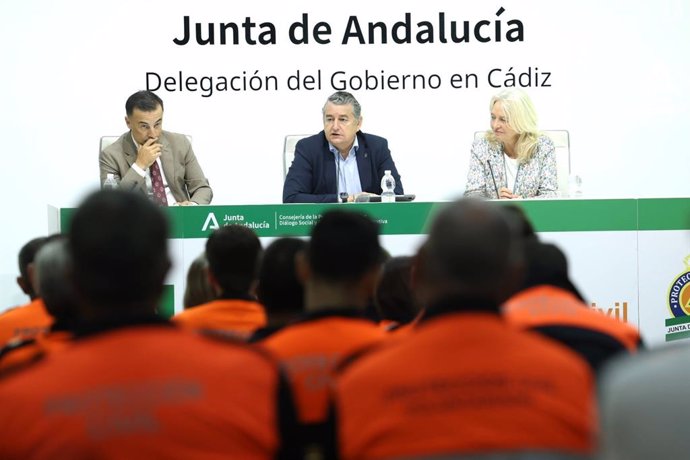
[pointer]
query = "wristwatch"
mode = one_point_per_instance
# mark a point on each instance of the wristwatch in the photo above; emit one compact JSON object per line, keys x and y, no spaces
{"x":343,"y":196}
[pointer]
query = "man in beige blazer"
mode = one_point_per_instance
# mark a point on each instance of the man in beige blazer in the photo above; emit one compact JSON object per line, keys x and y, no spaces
{"x":130,"y":158}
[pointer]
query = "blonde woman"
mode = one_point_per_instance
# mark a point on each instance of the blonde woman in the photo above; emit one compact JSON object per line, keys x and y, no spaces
{"x":513,"y":160}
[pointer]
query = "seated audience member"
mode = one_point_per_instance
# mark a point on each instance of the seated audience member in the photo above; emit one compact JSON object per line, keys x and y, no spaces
{"x":26,"y":321}
{"x":198,"y":290}
{"x":234,"y":254}
{"x":156,"y":163}
{"x":464,"y":382}
{"x":394,"y":299}
{"x":517,"y":215}
{"x":54,"y":283}
{"x":518,"y":218}
{"x":341,"y":162}
{"x":549,"y":303}
{"x":643,"y":413}
{"x":341,"y":269}
{"x":513,"y":160}
{"x":26,"y":257}
{"x":280,"y":291}
{"x":51,"y":271}
{"x":131,"y":385}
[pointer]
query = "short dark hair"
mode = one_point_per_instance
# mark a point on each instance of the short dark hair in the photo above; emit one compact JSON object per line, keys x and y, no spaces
{"x":547,"y":264}
{"x":394,"y":298}
{"x":118,"y":243}
{"x":471,"y":246}
{"x":146,"y":101}
{"x":344,"y":246}
{"x":519,"y":219}
{"x":26,"y":256}
{"x":279,"y":287}
{"x":197,"y":290}
{"x":233,"y":254}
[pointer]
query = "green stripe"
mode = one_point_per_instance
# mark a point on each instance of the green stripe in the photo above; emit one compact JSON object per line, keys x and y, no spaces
{"x":414,"y":218}
{"x":298,"y":219}
{"x":166,"y":307}
{"x":581,"y":215}
{"x":65,"y":219}
{"x":677,"y":336}
{"x":664,"y":214}
{"x":177,"y":216}
{"x":677,"y":321}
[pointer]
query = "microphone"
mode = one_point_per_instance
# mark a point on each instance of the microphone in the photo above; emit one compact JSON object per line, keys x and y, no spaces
{"x":493,"y":178}
{"x":491,"y":171}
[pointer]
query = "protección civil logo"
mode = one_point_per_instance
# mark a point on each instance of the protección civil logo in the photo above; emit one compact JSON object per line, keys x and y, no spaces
{"x":678,"y":299}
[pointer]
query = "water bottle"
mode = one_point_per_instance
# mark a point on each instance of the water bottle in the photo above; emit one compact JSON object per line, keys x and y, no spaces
{"x":575,"y":186}
{"x":110,"y":182}
{"x":387,"y":188}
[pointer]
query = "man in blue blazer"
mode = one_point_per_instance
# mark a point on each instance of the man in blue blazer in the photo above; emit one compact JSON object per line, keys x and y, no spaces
{"x":341,"y":162}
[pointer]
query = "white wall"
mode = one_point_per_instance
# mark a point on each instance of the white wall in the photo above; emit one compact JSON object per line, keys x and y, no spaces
{"x":618,"y":70}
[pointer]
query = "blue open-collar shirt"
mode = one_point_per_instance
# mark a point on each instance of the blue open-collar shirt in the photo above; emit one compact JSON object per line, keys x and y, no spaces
{"x":347,"y":173}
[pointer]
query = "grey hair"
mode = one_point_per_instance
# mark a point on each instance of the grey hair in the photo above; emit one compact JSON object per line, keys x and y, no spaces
{"x":344,"y":98}
{"x":53,"y":266}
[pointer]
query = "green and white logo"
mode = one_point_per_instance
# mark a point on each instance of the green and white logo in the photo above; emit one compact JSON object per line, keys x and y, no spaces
{"x":210,"y":222}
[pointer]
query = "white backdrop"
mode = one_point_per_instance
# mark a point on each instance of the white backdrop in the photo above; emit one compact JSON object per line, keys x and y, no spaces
{"x":618,"y":71}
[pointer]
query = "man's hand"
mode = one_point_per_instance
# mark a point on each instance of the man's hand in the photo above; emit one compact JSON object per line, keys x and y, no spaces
{"x":186,"y":203}
{"x":148,"y":153}
{"x":352,"y":198}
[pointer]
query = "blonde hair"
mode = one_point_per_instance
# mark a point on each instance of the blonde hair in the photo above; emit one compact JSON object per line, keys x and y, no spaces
{"x":521,"y":117}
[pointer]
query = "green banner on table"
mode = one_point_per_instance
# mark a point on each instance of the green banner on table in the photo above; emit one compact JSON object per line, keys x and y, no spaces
{"x":664,"y":214}
{"x":275,"y":220}
{"x":580,"y":215}
{"x":297,"y":219}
